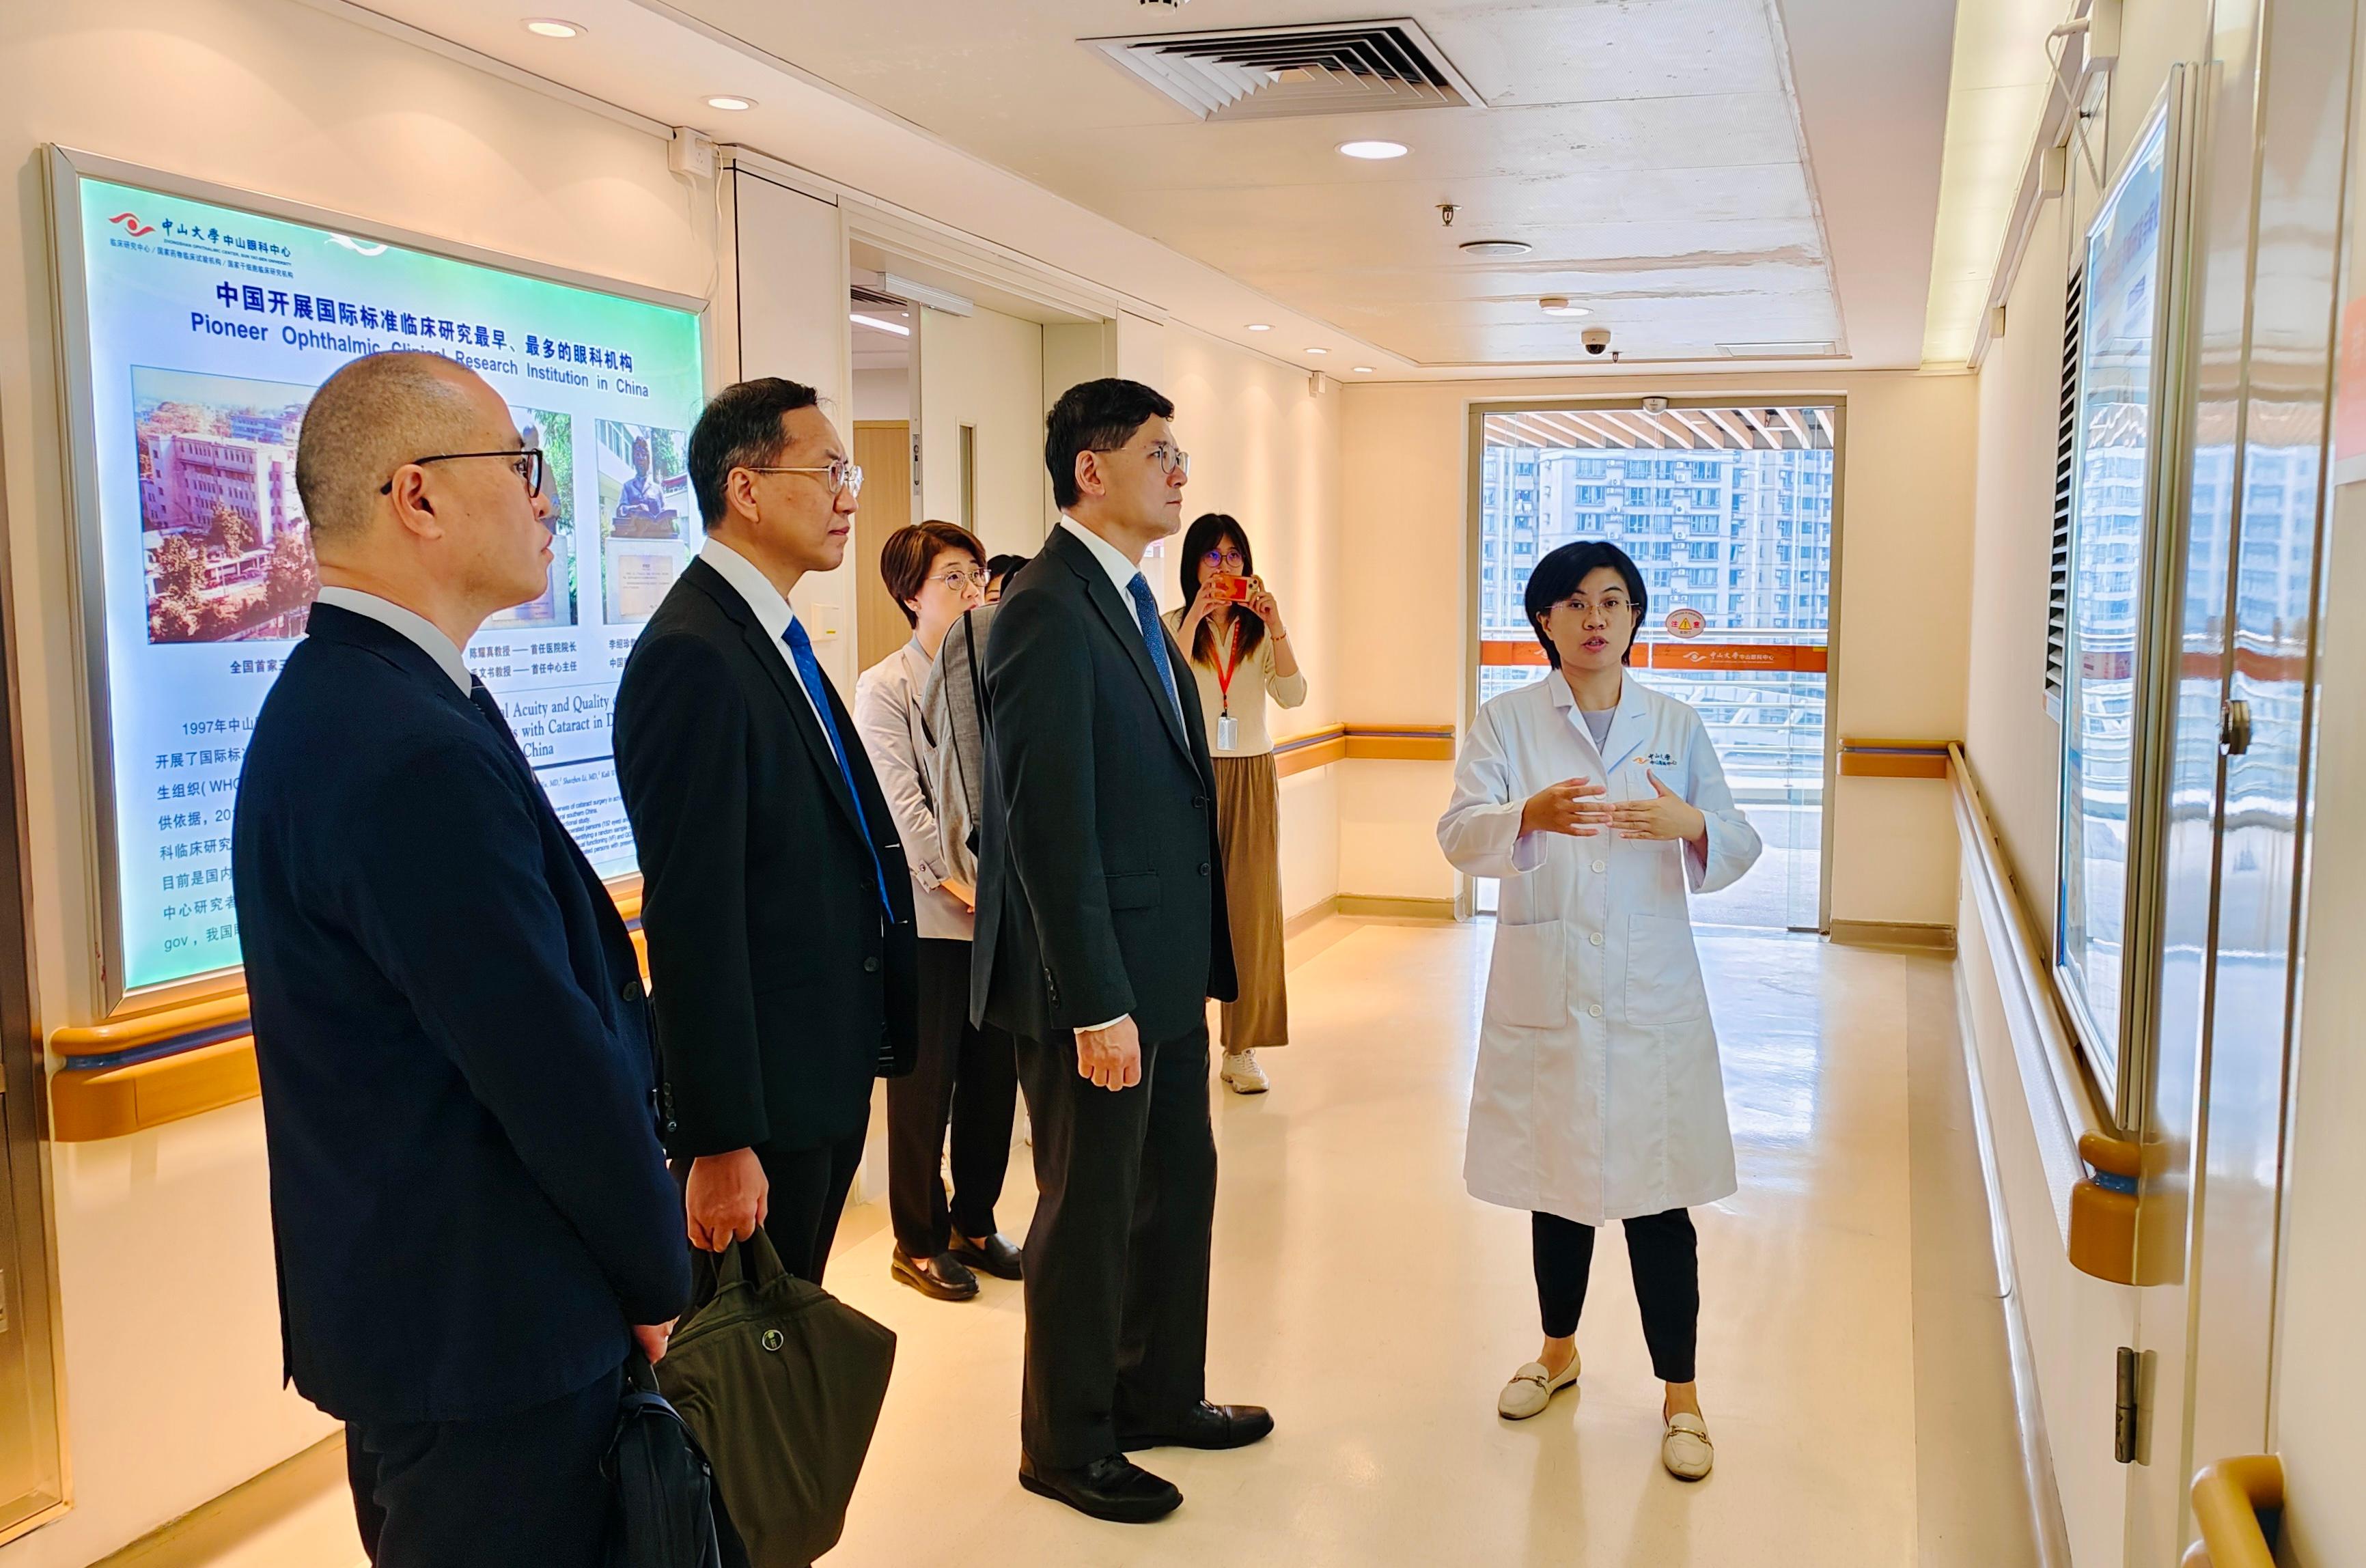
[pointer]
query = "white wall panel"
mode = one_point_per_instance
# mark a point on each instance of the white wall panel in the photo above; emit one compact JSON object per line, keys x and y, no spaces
{"x":785,"y":310}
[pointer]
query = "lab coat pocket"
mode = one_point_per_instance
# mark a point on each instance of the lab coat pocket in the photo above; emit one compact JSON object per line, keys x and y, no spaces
{"x":1527,"y":983}
{"x":1663,"y":974}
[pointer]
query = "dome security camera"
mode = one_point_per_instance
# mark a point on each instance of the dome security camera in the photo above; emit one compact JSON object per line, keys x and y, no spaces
{"x":1598,"y":340}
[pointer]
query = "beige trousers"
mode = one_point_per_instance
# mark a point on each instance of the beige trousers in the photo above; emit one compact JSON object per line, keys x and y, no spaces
{"x":1248,"y":823}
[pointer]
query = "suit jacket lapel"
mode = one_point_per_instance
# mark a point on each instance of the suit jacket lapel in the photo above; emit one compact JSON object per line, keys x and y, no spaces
{"x":1128,"y":632}
{"x":773,"y":660}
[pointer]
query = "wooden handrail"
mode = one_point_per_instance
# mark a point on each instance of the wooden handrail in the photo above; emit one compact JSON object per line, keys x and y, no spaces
{"x":1865,"y":758}
{"x":2228,"y":1497}
{"x":2092,"y":1166}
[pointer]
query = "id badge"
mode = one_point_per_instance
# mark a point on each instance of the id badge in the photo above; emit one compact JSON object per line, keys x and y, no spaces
{"x":1228,"y":732}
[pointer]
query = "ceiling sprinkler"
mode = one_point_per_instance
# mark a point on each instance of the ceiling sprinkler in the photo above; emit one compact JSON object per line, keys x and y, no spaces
{"x":1446,"y":211}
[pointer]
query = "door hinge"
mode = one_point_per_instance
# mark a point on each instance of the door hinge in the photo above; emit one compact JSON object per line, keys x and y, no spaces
{"x":2125,"y":1410}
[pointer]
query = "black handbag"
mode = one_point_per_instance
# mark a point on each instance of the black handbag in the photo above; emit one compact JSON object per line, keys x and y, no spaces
{"x":663,"y":1506}
{"x":781,"y":1384}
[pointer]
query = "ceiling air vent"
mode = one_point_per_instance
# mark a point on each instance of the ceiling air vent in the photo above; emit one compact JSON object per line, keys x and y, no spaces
{"x":1268,"y":73}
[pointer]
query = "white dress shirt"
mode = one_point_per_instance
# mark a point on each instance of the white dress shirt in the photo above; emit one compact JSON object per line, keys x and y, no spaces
{"x":410,"y":623}
{"x":887,"y":711}
{"x":1121,"y":572}
{"x":765,"y":602}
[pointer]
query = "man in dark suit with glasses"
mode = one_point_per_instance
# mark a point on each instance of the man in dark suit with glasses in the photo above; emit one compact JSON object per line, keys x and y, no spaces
{"x":473,"y":1222}
{"x":1102,"y":935}
{"x":782,"y":954}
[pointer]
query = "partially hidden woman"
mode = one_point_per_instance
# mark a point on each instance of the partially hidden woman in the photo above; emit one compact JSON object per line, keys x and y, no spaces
{"x":966,"y":1076}
{"x":1599,"y":804}
{"x":1230,"y":627}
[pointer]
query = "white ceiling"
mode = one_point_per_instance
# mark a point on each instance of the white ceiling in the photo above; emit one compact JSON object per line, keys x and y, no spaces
{"x":1651,"y":151}
{"x":1648,"y":151}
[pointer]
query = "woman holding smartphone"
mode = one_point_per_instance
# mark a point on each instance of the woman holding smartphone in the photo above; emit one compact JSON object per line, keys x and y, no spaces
{"x":1599,"y":805}
{"x":1231,"y":631}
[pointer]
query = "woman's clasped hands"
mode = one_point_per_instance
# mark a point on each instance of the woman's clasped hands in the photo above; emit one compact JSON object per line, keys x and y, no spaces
{"x":1573,"y":806}
{"x":1577,"y":807}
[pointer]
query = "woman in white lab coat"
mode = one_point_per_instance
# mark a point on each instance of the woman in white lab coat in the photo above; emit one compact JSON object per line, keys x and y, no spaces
{"x":1598,"y":803}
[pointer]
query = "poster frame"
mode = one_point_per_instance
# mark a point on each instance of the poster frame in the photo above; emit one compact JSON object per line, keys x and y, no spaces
{"x":66,"y":169}
{"x":2120,"y":1056}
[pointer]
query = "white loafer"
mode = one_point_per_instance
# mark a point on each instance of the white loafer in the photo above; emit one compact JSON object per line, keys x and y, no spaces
{"x":1685,"y":1446}
{"x":1241,"y":1075}
{"x":1531,"y":1388}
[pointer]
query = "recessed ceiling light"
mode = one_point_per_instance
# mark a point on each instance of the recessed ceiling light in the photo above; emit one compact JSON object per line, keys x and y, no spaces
{"x":552,"y":26}
{"x":876,"y":324}
{"x":1318,"y":350}
{"x":730,"y":101}
{"x":1554,"y":305}
{"x":1363,"y":369}
{"x":1374,"y":150}
{"x":1496,"y":247}
{"x":1260,"y":326}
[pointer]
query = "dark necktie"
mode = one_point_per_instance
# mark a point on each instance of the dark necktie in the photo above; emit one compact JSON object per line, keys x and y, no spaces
{"x":1146,"y":611}
{"x":809,"y":673}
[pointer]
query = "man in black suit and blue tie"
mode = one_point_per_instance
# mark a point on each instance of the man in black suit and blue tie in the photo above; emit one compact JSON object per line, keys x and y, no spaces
{"x":471,"y":1212}
{"x":782,"y":951}
{"x":1101,"y":934}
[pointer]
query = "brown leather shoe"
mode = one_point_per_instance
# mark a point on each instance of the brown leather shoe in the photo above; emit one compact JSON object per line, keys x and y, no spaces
{"x":943,"y":1278}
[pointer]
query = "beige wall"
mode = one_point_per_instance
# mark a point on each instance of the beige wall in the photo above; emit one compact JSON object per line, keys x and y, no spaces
{"x":1266,"y":448}
{"x":1901,"y":614}
{"x":171,"y":1333}
{"x":2013,"y":741}
{"x":982,"y":370}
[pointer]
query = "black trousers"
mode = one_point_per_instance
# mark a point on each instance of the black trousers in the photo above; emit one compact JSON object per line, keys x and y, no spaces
{"x":967,"y":1076}
{"x":1117,"y":1257}
{"x":1664,"y":1252}
{"x":491,"y":1494}
{"x":808,"y":1189}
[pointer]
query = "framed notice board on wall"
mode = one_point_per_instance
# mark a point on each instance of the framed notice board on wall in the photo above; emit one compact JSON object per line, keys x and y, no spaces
{"x":2122,"y":620}
{"x":197,"y":322}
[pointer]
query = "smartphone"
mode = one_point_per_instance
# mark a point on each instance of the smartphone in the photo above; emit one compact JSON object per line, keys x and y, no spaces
{"x":1231,"y":589}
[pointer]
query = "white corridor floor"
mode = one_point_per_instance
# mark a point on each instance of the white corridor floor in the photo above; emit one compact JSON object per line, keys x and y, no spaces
{"x":1852,"y":1356}
{"x":1376,"y":1308}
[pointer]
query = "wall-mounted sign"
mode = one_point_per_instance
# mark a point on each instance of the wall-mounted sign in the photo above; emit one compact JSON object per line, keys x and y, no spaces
{"x":1686,"y":621}
{"x":198,"y":324}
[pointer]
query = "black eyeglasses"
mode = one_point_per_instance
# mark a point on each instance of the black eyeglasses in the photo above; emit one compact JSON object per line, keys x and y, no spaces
{"x":526,"y":463}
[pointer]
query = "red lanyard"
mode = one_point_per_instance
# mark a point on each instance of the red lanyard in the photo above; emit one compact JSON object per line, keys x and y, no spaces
{"x":1229,"y":662}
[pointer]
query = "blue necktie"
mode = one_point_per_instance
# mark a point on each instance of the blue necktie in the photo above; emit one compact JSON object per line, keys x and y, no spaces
{"x":810,"y":671}
{"x":1146,"y":611}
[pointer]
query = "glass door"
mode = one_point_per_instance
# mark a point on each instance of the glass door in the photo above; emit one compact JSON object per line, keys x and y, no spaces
{"x":1729,"y":513}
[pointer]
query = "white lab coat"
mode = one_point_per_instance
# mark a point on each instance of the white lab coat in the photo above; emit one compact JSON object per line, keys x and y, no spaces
{"x":1597,"y":1095}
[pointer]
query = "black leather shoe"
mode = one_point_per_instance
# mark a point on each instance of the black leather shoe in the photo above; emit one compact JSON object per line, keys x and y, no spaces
{"x":1205,"y":1425}
{"x":994,"y":1256}
{"x":1114,"y":1488}
{"x":943,"y":1278}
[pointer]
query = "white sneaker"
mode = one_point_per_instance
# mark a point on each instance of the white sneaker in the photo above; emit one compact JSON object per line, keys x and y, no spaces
{"x":1531,"y":1388}
{"x":1241,"y":1075}
{"x":1685,"y":1446}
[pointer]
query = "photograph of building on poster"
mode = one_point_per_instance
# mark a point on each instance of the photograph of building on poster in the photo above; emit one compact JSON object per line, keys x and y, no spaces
{"x":645,"y":516}
{"x":222,"y":528}
{"x":555,"y":434}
